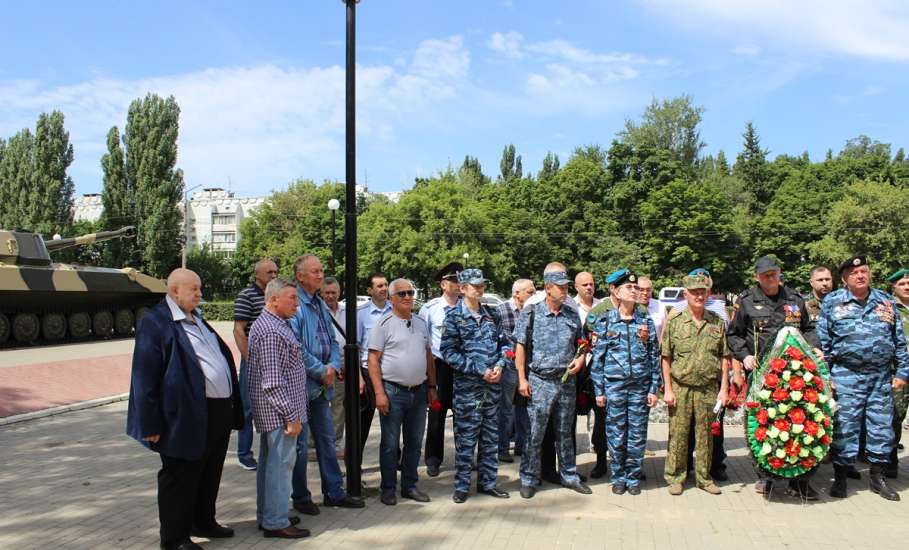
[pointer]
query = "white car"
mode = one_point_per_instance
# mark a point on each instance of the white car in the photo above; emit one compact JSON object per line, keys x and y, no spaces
{"x":360,"y":301}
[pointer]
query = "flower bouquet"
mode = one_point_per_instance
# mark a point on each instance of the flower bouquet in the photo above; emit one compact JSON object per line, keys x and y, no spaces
{"x":583,"y":348}
{"x":789,"y":412}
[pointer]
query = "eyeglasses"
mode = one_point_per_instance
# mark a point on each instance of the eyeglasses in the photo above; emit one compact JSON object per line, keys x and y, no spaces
{"x":405,"y":293}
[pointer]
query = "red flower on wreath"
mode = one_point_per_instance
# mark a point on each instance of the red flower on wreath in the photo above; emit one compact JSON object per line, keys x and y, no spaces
{"x":794,"y":353}
{"x":775,"y":463}
{"x":760,"y":433}
{"x":771,"y":380}
{"x":792,"y":448}
{"x":752,"y":404}
{"x":818,"y":382}
{"x":797,"y":416}
{"x":809,"y":365}
{"x":825,"y":440}
{"x":810,"y":395}
{"x":781,"y":425}
{"x":780,"y":394}
{"x":811,"y":428}
{"x":797,"y":383}
{"x":826,"y":421}
{"x":808,"y":462}
{"x":778,"y":365}
{"x":762,"y":417}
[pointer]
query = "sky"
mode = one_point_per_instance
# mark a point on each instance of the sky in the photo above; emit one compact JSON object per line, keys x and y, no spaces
{"x":261,"y":84}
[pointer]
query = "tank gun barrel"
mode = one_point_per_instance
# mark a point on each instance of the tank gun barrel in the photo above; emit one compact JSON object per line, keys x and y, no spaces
{"x":127,"y":232}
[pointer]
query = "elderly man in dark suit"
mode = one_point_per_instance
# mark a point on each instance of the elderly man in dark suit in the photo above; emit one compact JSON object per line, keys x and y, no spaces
{"x":184,"y":400}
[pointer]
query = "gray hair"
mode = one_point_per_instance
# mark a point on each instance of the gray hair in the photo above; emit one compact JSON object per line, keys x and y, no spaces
{"x":553,"y":267}
{"x":330,"y":281}
{"x":298,"y":265}
{"x":275,"y":286}
{"x":518,"y":285}
{"x":396,"y":282}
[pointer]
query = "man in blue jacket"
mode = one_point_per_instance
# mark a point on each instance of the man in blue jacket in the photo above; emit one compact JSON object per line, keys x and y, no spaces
{"x":184,"y":400}
{"x":312,"y":325}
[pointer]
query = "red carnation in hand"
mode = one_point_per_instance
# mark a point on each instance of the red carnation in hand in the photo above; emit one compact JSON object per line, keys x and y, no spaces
{"x":826,"y":421}
{"x":714,"y":428}
{"x":436,"y":405}
{"x":810,"y":395}
{"x":771,"y":380}
{"x":752,"y":404}
{"x":811,"y":428}
{"x":780,"y":394}
{"x":775,"y":463}
{"x":778,"y":365}
{"x":794,"y":353}
{"x":781,"y":425}
{"x":760,"y":433}
{"x":825,"y":440}
{"x":818,"y":382}
{"x":808,"y":462}
{"x":797,"y":383}
{"x":810,"y":365}
{"x":509,"y":355}
{"x":762,"y":417}
{"x":797,"y":416}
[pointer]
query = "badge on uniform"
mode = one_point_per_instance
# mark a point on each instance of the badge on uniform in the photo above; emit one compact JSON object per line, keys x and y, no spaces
{"x":793,"y":313}
{"x":885,"y":312}
{"x":644,"y":333}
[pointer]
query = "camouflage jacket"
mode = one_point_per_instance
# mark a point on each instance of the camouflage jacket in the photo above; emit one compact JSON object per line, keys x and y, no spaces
{"x":555,"y":337}
{"x":696,"y":351}
{"x":863,"y":338}
{"x":625,"y":350}
{"x":472,"y":346}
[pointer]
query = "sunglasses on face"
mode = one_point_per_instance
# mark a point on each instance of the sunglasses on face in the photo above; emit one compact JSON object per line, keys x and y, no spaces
{"x":405,"y":293}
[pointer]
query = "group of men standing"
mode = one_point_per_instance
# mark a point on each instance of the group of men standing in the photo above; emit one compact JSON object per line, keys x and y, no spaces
{"x":507,"y":373}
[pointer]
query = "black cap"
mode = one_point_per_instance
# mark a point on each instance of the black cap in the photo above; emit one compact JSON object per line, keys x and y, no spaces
{"x":765,"y":264}
{"x":449,"y":271}
{"x":854,"y":261}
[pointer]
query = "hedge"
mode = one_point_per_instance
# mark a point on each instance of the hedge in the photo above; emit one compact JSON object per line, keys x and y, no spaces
{"x":217,"y":311}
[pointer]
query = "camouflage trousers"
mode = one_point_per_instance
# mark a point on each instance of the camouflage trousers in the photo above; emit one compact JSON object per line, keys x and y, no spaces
{"x":900,"y":402}
{"x":550,"y":397}
{"x":864,"y":399}
{"x":476,"y":426}
{"x":697,"y":403}
{"x":627,"y":414}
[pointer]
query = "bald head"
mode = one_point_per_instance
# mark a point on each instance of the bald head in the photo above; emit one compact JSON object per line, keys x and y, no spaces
{"x":585,"y":287}
{"x":265,"y":271}
{"x":185,"y":288}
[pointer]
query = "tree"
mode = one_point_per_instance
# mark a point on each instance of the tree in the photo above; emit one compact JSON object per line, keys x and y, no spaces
{"x":213,"y":270}
{"x":471,"y":173}
{"x":670,"y":125}
{"x":151,"y":155}
{"x":550,"y":167}
{"x":510,"y":166}
{"x":118,"y":200}
{"x":751,"y":168}
{"x":722,"y":165}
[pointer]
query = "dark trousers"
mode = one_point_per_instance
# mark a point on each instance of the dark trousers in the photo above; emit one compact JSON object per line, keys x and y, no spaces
{"x":367,"y":411}
{"x":188,"y":489}
{"x":598,"y":437}
{"x":718,"y":457}
{"x":435,"y":420}
{"x":550,"y":443}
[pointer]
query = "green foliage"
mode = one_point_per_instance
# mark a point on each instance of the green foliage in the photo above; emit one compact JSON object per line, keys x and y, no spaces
{"x":213,"y":270}
{"x":751,"y":167}
{"x":670,"y":125}
{"x":119,"y":203}
{"x":217,"y":310}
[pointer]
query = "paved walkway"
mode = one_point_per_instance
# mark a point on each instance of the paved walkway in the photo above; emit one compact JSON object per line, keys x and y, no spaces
{"x":75,"y":481}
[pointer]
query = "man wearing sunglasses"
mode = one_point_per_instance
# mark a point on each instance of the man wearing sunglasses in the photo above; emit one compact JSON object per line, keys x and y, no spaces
{"x":433,"y":312}
{"x":400,"y":365}
{"x":473,"y":345}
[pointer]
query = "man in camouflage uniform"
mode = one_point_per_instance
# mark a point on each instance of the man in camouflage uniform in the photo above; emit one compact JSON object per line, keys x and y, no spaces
{"x":861,"y":337}
{"x":473,"y":346}
{"x":696,"y":376}
{"x":759,"y":314}
{"x":900,"y":285}
{"x":553,"y":341}
{"x":821,"y":281}
{"x":626,"y":374}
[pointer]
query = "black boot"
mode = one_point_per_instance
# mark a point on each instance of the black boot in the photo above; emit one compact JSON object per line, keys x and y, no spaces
{"x":601,"y":467}
{"x":838,"y":489}
{"x":879,"y":485}
{"x":852,"y":473}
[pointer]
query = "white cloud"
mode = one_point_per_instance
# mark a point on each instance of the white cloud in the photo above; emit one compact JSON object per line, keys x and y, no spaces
{"x":261,"y":125}
{"x":509,"y":44}
{"x":878,"y":30}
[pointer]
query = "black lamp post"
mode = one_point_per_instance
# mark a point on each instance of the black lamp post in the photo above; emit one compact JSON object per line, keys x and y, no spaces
{"x":333,"y":205}
{"x":353,"y":458}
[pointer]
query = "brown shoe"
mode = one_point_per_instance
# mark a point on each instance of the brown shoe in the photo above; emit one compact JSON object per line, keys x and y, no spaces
{"x":711,"y":488}
{"x":287,"y":533}
{"x":675,"y":489}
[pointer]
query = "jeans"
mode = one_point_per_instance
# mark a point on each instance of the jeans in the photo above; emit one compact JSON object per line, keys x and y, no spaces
{"x":323,"y":435}
{"x":506,"y":408}
{"x":245,"y":435}
{"x":277,"y":456}
{"x":407,"y":410}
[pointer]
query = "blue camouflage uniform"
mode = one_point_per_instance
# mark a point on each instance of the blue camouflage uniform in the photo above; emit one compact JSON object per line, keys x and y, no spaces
{"x":554,"y":339}
{"x":471,"y":345}
{"x":861,"y":342}
{"x":625,"y":367}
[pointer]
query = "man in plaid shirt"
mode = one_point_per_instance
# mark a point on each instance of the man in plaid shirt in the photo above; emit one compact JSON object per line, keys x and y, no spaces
{"x":277,"y":390}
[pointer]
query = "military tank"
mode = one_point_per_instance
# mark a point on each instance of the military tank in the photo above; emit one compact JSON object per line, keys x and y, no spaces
{"x":41,"y":300}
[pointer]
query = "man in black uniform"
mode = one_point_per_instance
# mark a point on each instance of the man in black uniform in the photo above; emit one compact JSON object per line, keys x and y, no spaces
{"x":760,"y":312}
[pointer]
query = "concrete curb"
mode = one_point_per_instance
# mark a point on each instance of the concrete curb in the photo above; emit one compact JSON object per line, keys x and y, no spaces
{"x":5,"y":421}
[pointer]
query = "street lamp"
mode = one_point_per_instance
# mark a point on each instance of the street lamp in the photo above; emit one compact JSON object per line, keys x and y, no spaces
{"x":333,"y":205}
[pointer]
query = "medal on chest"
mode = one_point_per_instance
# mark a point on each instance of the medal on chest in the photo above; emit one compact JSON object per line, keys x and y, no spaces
{"x":884,"y":312}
